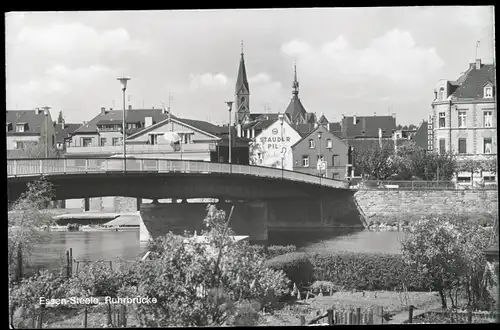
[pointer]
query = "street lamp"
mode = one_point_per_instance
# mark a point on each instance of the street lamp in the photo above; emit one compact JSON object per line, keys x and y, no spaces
{"x":46,"y":114}
{"x":320,"y":162}
{"x":123,"y":81}
{"x":230,"y":106}
{"x":282,"y":143}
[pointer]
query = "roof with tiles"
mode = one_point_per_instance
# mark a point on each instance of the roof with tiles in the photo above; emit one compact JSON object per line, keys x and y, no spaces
{"x":472,"y":83}
{"x":360,"y":144}
{"x":295,"y":109}
{"x":367,"y":126}
{"x":33,"y":118}
{"x":65,"y":132}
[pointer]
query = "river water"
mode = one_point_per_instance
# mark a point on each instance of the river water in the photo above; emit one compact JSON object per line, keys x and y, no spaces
{"x":126,"y":245}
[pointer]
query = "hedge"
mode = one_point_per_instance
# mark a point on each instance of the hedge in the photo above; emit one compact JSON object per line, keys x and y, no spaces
{"x":273,"y":250}
{"x":350,"y":271}
{"x":296,"y":266}
{"x":366,"y":271}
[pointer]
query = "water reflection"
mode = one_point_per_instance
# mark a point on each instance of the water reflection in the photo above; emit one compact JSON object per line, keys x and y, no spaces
{"x":125,"y":245}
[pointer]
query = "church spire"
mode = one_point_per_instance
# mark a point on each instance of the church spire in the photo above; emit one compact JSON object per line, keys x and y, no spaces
{"x":242,"y":91}
{"x":295,"y":86}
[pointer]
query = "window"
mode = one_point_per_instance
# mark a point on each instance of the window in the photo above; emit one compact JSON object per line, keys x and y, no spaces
{"x":463,"y":179}
{"x":462,"y":146}
{"x":462,"y":119}
{"x":442,"y":146}
{"x":489,"y":178}
{"x":86,"y":142}
{"x":305,"y":161}
{"x":329,"y":144}
{"x":488,"y":118}
{"x":487,"y":146}
{"x":442,"y":119}
{"x":115,"y":141}
{"x":335,"y":160}
{"x":53,"y":140}
{"x":103,"y":142}
{"x":441,"y":94}
{"x":488,"y":92}
{"x":20,"y":128}
{"x":19,"y":145}
{"x":335,"y":176}
{"x":312,"y":145}
{"x":8,"y":126}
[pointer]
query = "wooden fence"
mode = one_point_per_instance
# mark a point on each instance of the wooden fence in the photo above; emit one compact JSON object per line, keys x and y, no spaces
{"x":347,"y":316}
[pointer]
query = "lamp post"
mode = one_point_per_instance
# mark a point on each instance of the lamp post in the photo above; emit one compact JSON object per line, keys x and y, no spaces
{"x":46,"y":113}
{"x":123,"y":81}
{"x":320,"y":162}
{"x":283,"y":145}
{"x":230,"y":106}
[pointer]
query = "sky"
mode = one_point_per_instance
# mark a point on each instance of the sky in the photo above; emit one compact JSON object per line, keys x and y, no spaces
{"x":361,"y":61}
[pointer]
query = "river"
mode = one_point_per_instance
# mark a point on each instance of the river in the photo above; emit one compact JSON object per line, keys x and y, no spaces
{"x":125,"y":245}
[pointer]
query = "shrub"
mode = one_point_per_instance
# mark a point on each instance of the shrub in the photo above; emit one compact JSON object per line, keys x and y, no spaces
{"x":365,"y":271}
{"x":296,"y":265}
{"x":277,"y":250}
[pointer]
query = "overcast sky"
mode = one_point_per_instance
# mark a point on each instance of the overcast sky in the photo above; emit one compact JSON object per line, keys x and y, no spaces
{"x":349,"y":60}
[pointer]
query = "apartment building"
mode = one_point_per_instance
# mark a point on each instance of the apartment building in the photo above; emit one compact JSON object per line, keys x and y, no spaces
{"x":30,"y":133}
{"x":463,"y":117}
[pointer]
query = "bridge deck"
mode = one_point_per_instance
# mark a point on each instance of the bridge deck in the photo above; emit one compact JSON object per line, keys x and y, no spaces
{"x":37,"y":167}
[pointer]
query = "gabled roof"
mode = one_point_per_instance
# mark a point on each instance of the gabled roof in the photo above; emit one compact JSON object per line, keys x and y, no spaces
{"x":35,"y":121}
{"x":198,"y":125}
{"x":421,"y":138}
{"x":116,"y":116}
{"x":319,"y":127}
{"x":367,"y":126}
{"x":323,"y":120}
{"x":303,"y":129}
{"x":472,"y":84}
{"x":64,"y":133}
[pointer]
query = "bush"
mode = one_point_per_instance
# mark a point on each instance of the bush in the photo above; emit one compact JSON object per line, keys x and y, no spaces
{"x":296,"y":265}
{"x":365,"y":271}
{"x":277,"y":250}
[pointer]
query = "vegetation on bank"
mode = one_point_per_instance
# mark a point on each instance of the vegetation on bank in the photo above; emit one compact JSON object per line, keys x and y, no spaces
{"x":410,"y":162}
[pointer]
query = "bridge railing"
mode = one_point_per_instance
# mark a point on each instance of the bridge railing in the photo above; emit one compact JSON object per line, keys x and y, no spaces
{"x":27,"y":167}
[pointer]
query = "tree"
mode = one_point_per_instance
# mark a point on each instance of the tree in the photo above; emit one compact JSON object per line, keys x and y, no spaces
{"x":377,"y":163}
{"x":24,"y":222}
{"x":37,"y":150}
{"x":470,"y":165}
{"x":60,"y":118}
{"x":448,"y":251}
{"x":200,"y":283}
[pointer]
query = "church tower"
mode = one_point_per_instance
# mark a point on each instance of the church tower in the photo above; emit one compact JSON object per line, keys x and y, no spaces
{"x":242,"y":93}
{"x":295,"y":110}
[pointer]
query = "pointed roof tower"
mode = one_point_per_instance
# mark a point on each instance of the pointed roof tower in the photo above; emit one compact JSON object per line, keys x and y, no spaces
{"x":242,"y":80}
{"x":295,"y":110}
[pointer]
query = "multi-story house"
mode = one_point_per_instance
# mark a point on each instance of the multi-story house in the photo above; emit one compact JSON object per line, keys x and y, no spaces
{"x":30,"y":133}
{"x":271,"y":143}
{"x":147,"y":132}
{"x":321,"y":152}
{"x":463,"y":117}
{"x":64,"y":133}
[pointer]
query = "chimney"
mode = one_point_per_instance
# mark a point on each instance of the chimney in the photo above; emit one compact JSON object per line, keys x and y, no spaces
{"x":354,"y":120}
{"x":478,"y":64}
{"x":148,"y":121}
{"x":238,"y":130}
{"x":374,"y":114}
{"x":37,"y":110}
{"x":152,"y":107}
{"x":130,"y":107}
{"x":110,"y":109}
{"x":103,"y":110}
{"x":394,"y":115}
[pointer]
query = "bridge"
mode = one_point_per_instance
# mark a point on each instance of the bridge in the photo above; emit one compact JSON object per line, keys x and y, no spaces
{"x":284,"y":198}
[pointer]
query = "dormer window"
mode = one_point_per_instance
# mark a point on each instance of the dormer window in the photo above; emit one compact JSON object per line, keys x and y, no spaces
{"x":20,"y":127}
{"x":488,"y":92}
{"x":441,"y":93}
